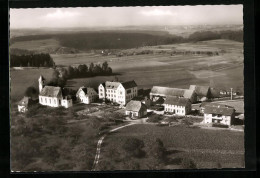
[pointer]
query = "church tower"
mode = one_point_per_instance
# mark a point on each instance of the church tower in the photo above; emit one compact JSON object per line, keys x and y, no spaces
{"x":41,"y":83}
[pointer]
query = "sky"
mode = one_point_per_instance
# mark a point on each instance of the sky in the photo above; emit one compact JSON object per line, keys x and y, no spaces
{"x":126,"y":16}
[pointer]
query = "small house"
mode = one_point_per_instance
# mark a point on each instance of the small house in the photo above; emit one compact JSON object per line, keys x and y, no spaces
{"x":219,"y":114}
{"x":135,"y":109}
{"x":86,"y":95}
{"x":66,"y":102}
{"x":24,"y":104}
{"x":178,"y":106}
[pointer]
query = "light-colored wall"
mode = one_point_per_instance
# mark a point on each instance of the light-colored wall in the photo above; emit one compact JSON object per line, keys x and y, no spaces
{"x":179,"y":110}
{"x":49,"y":101}
{"x":226,"y":120}
{"x":88,"y":98}
{"x":66,"y":103}
{"x":101,"y":94}
{"x":22,"y":108}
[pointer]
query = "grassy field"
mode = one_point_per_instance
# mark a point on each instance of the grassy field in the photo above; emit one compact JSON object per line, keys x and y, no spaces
{"x":222,"y":71}
{"x":208,"y":148}
{"x":21,"y":79}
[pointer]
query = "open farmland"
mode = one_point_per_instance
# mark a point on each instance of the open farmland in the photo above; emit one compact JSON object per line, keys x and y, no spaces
{"x":221,"y":71}
{"x":21,"y":79}
{"x":207,"y":148}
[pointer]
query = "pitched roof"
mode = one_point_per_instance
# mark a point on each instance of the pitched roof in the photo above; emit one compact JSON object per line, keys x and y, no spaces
{"x":135,"y":106}
{"x":204,"y":104}
{"x":165,"y":91}
{"x":129,"y":84}
{"x":111,"y":85}
{"x":200,"y":90}
{"x":85,"y":90}
{"x":51,"y":91}
{"x":173,"y":100}
{"x":25,"y":101}
{"x":219,"y":110}
{"x":141,"y":98}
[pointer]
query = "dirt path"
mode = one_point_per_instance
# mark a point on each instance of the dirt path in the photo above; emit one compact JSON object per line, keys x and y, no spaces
{"x":100,"y":142}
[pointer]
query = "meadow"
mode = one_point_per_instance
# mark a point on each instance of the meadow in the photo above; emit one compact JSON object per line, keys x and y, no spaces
{"x":208,"y":148}
{"x":220,"y":71}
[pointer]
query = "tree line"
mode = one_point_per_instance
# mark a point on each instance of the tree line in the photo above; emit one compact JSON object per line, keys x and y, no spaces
{"x":31,"y":60}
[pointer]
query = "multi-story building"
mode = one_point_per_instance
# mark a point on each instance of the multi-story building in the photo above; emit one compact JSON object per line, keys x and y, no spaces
{"x":118,"y":92}
{"x":176,"y":105}
{"x":86,"y":95}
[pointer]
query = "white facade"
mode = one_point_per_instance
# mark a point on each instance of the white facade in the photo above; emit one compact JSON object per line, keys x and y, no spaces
{"x":22,"y":108}
{"x":178,"y":110}
{"x":50,"y":101}
{"x":118,"y":94}
{"x":214,"y":118}
{"x":88,"y":96}
{"x":66,"y":103}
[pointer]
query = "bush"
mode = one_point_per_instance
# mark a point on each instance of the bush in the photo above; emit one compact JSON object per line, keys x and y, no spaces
{"x":154,"y":118}
{"x":133,"y":147}
{"x":188,"y":163}
{"x":157,"y":150}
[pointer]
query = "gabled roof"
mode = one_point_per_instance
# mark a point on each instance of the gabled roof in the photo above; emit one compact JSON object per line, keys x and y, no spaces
{"x":173,"y":100}
{"x":200,"y":90}
{"x":51,"y":91}
{"x":219,"y":110}
{"x":141,"y":98}
{"x":85,"y":90}
{"x":26,"y":101}
{"x":129,"y":84}
{"x":165,"y":91}
{"x":111,"y":85}
{"x":204,"y":104}
{"x":135,"y":106}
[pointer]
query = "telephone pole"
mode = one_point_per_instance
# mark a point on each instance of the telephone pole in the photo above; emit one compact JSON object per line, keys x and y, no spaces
{"x":231,"y":94}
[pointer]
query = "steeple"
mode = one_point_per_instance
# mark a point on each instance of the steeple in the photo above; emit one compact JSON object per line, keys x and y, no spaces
{"x":41,"y":81}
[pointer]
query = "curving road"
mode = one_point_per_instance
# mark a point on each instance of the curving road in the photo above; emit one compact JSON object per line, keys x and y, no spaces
{"x":100,"y":142}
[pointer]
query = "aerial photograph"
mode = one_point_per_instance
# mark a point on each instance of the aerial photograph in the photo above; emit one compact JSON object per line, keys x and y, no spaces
{"x":126,"y":88}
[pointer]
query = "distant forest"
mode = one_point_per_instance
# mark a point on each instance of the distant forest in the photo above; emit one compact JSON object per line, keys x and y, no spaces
{"x":31,"y":60}
{"x":124,"y":40}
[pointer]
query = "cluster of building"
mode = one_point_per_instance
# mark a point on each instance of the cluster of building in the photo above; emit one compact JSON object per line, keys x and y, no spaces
{"x":174,"y":100}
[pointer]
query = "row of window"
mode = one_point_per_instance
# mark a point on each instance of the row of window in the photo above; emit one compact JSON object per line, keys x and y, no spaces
{"x":173,"y":110}
{"x":46,"y":101}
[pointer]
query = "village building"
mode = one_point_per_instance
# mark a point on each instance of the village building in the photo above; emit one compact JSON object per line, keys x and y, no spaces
{"x":202,"y":92}
{"x":145,"y":100}
{"x":118,"y":92}
{"x":86,"y":95}
{"x":219,"y":114}
{"x":176,"y":105}
{"x":135,"y":109}
{"x":162,"y":92}
{"x":204,"y":104}
{"x":24,"y":104}
{"x":52,"y":96}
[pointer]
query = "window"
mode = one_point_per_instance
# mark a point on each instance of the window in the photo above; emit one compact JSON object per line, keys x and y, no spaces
{"x":41,"y":99}
{"x":45,"y":100}
{"x":54,"y":101}
{"x":121,"y":93}
{"x":128,"y":91}
{"x":50,"y":101}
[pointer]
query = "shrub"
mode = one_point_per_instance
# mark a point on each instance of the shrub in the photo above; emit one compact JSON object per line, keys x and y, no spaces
{"x":188,"y":163}
{"x":133,"y":147}
{"x":157,"y":150}
{"x":154,"y":118}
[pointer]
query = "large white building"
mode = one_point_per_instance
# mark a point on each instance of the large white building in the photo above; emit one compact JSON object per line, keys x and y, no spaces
{"x":118,"y":92}
{"x":219,"y":114}
{"x":86,"y":95}
{"x":52,"y":96}
{"x":176,"y":105}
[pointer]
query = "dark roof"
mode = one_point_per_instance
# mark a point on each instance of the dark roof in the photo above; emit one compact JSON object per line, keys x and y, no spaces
{"x":200,"y":90}
{"x":111,"y":85}
{"x":51,"y":91}
{"x":135,"y":106}
{"x":85,"y":90}
{"x":141,"y":98}
{"x":26,"y":101}
{"x":165,"y":91}
{"x":129,"y":84}
{"x":172,"y":100}
{"x":219,"y":110}
{"x":204,"y":104}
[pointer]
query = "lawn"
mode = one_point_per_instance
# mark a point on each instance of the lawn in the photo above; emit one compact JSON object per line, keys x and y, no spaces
{"x":207,"y":148}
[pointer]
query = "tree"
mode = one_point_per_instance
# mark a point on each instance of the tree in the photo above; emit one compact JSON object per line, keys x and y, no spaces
{"x":31,"y":92}
{"x":91,"y":68}
{"x":70,"y":72}
{"x":133,"y":147}
{"x":105,"y":66}
{"x":157,"y":150}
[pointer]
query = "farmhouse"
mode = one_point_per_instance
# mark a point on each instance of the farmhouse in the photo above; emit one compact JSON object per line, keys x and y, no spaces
{"x":118,"y":92}
{"x":204,"y":104}
{"x":163,"y":92}
{"x":176,"y":105}
{"x":86,"y":95}
{"x":52,"y":96}
{"x":24,"y":104}
{"x":219,"y":114}
{"x":202,"y":92}
{"x":136,"y":109}
{"x":145,"y":100}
